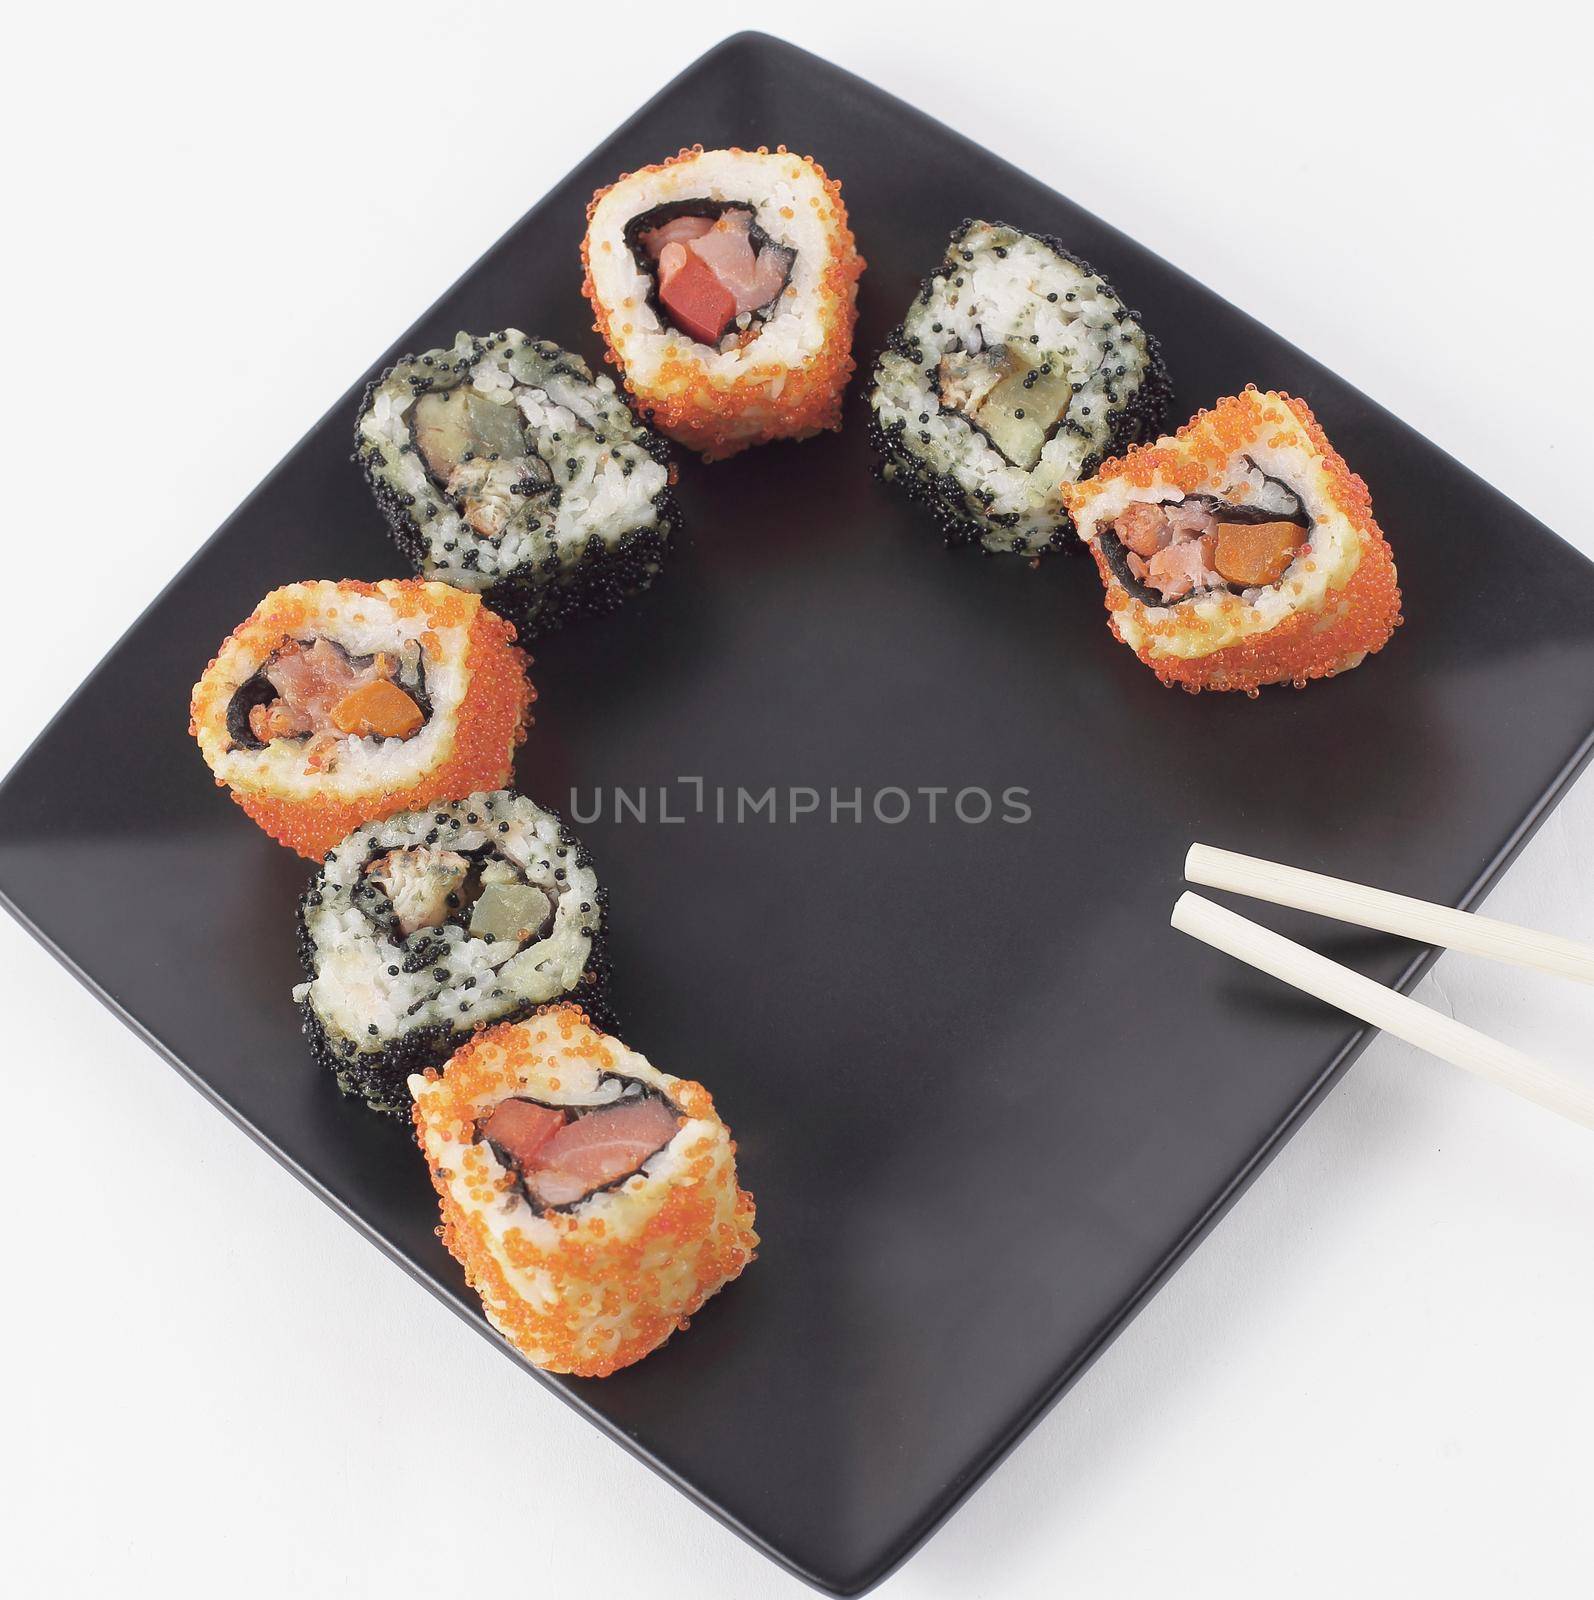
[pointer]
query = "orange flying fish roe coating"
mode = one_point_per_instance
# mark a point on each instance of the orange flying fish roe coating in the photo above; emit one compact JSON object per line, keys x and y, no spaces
{"x":713,"y":412}
{"x":592,"y":1289}
{"x":474,"y":677}
{"x":1345,"y":597}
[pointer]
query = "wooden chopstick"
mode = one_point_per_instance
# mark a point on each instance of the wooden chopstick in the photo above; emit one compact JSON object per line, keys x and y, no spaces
{"x":1389,"y":913}
{"x":1442,"y":1036}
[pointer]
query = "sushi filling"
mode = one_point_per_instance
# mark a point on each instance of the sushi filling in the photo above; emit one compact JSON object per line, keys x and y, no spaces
{"x":1242,"y":540}
{"x":476,"y":891}
{"x":314,"y":691}
{"x":716,"y":274}
{"x":560,"y":1155}
{"x":1017,"y":402}
{"x":475,"y":450}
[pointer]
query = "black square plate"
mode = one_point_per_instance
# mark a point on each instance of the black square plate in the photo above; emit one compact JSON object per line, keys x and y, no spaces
{"x":986,"y":1098}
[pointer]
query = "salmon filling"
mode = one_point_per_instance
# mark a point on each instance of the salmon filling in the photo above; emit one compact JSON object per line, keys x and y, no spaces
{"x":1172,"y":550}
{"x":562,"y":1154}
{"x":315,"y":691}
{"x":713,"y":267}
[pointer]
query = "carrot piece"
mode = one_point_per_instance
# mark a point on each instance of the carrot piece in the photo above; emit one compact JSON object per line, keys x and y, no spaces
{"x":1256,"y":553}
{"x":379,"y":707}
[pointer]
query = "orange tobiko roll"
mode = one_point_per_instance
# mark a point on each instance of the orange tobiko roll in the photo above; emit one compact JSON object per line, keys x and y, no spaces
{"x":725,"y":284}
{"x":591,"y":1199}
{"x":1241,"y":550}
{"x":337,"y":704}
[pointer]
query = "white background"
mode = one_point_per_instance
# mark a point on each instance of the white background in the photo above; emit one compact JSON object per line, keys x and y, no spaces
{"x":1375,"y":1378}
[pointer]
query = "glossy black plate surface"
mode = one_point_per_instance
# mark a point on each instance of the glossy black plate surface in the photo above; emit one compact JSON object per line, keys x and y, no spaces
{"x":986,"y":1098}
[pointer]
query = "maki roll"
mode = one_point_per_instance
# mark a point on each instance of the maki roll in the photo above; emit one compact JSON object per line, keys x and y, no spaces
{"x":504,"y":467}
{"x":336,"y":703}
{"x":421,"y":928}
{"x":1241,"y":551}
{"x":1016,"y":370}
{"x":591,"y":1199}
{"x":725,"y":284}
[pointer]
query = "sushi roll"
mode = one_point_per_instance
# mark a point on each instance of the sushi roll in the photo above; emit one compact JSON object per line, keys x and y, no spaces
{"x":591,"y":1199}
{"x":504,"y":467}
{"x":725,"y":284}
{"x":1241,"y":551}
{"x":337,"y":703}
{"x":424,"y":927}
{"x":1017,"y":370}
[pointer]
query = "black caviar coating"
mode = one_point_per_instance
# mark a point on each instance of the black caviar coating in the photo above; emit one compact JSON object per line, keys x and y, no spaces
{"x":380,"y":1077}
{"x":538,"y":599}
{"x":1143,"y":418}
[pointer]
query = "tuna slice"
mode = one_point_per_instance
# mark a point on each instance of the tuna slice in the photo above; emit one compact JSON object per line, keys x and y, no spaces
{"x":596,"y":1149}
{"x":728,"y":248}
{"x":699,"y":304}
{"x":520,"y":1128}
{"x":709,"y":276}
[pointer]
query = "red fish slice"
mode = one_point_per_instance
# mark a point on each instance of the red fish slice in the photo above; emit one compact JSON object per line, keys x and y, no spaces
{"x":709,"y":274}
{"x":702,"y":307}
{"x":520,"y":1128}
{"x":752,"y":280}
{"x":596,"y":1149}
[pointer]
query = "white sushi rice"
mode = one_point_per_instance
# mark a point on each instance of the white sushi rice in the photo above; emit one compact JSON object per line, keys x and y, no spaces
{"x":1000,"y":287}
{"x":789,"y":202}
{"x":606,"y":480}
{"x":357,"y":944}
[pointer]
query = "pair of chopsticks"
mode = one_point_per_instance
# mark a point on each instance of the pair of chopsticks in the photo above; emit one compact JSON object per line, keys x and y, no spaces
{"x":1356,"y":903}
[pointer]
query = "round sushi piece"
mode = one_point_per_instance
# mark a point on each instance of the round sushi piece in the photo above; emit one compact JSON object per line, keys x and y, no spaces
{"x":339,"y":702}
{"x":422,"y":928}
{"x":725,"y":284}
{"x":591,"y":1199}
{"x":1017,"y":370}
{"x":1240,"y":551}
{"x":504,"y":467}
